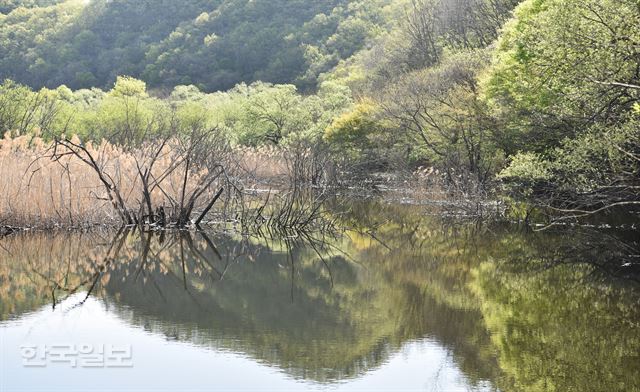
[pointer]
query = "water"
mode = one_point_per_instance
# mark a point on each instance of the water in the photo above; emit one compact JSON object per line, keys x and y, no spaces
{"x":404,"y":301}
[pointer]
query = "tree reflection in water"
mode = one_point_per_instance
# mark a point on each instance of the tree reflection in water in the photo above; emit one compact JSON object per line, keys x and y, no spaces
{"x":525,"y":311}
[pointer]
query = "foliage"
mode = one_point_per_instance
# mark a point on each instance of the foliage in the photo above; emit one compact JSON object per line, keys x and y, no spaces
{"x":423,"y":73}
{"x":600,"y":166}
{"x":351,"y":132}
{"x":565,"y":86}
{"x":441,"y":112}
{"x":544,"y":98}
{"x":560,"y":64}
{"x":23,"y":111}
{"x":7,"y":6}
{"x":214,"y":44}
{"x":419,"y":32}
{"x":253,"y":115}
{"x":526,"y":166}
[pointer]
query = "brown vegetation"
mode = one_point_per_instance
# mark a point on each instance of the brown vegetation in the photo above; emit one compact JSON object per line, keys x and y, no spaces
{"x":69,"y":184}
{"x":163,"y":183}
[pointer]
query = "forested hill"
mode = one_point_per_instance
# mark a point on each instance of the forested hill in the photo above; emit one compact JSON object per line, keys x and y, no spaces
{"x":536,"y":99}
{"x":7,"y":6}
{"x":213,"y":44}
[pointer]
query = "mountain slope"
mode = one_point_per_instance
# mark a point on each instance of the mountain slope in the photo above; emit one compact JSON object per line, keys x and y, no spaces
{"x":214,"y":44}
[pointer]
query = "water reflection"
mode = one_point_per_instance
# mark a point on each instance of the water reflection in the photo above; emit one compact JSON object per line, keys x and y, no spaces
{"x":402,"y":299}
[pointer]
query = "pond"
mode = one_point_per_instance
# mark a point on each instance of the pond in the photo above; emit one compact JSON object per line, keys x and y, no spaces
{"x":403,"y":300}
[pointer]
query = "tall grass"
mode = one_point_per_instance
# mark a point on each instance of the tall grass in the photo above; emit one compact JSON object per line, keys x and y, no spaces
{"x":73,"y":185}
{"x":261,"y":166}
{"x":37,"y":191}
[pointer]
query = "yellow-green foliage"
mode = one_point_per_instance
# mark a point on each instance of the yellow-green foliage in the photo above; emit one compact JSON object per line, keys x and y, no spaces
{"x":598,"y":157}
{"x":256,"y":114}
{"x":528,"y":167}
{"x":562,"y":88}
{"x":351,"y":131}
{"x":127,"y":86}
{"x":554,"y":67}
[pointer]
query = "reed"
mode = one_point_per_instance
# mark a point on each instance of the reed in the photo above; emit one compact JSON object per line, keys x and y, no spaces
{"x":161,"y":183}
{"x":73,"y":185}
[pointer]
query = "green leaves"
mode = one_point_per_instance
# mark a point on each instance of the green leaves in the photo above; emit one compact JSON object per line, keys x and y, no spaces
{"x":213,"y":44}
{"x":564,"y":84}
{"x":560,"y":61}
{"x":127,"y":86}
{"x":351,"y":132}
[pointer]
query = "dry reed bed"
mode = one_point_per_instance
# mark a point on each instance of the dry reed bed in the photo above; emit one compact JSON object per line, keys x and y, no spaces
{"x":261,"y":166}
{"x":46,"y":185}
{"x":37,"y":191}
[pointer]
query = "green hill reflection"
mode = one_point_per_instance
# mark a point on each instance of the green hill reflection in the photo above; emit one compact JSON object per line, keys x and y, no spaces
{"x":524,"y":311}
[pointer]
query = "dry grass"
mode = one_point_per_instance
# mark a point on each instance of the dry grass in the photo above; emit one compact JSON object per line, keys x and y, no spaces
{"x":262,"y":166}
{"x":48,"y":185}
{"x":36,"y":191}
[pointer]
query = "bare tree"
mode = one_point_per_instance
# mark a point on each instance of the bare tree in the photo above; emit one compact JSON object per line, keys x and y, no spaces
{"x":193,"y":166}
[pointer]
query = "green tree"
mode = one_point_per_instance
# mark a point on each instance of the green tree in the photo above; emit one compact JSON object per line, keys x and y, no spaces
{"x":564,"y":84}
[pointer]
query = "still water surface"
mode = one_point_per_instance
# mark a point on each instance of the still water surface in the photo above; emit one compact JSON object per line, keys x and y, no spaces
{"x":403,"y":301}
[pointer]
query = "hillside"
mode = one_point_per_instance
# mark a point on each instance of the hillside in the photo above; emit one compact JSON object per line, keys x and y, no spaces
{"x":213,"y":44}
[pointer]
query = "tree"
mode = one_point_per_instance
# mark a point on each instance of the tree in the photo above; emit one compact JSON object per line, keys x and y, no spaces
{"x":214,"y":45}
{"x":440,"y":110}
{"x":127,"y":115}
{"x":350,"y":133}
{"x":564,"y":65}
{"x":126,"y":86}
{"x":272,"y":113}
{"x":565,"y":84}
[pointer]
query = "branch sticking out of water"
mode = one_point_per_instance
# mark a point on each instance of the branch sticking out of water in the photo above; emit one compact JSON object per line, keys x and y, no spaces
{"x":157,"y":188}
